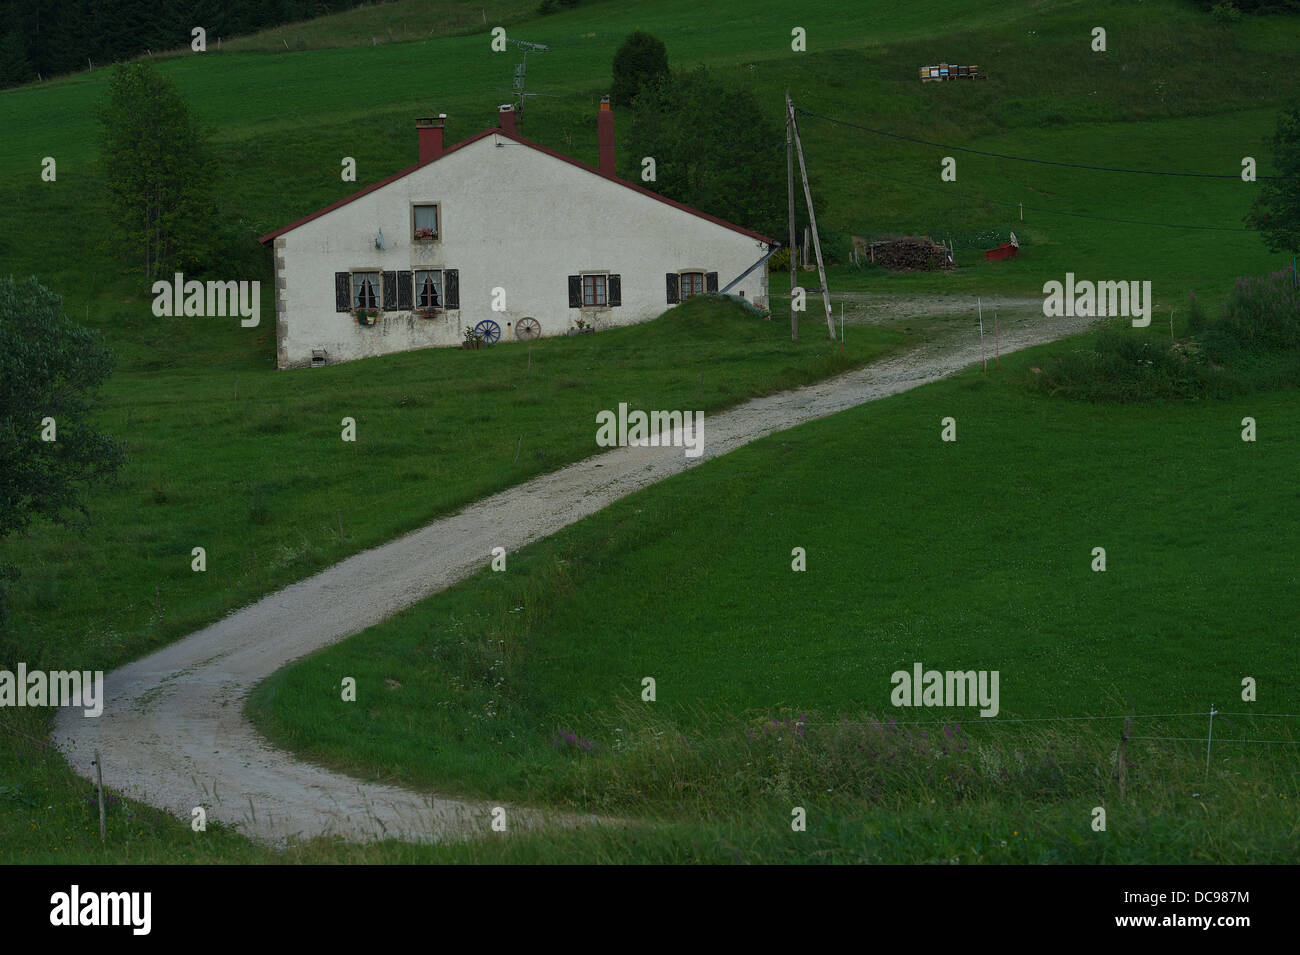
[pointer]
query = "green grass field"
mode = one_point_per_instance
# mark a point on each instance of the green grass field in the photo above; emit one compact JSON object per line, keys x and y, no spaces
{"x":973,"y":554}
{"x":256,"y":472}
{"x":967,"y":555}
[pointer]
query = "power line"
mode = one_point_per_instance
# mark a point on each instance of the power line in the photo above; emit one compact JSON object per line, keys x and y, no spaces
{"x":1041,"y":162}
{"x":1223,"y":739}
{"x":1049,"y":719}
{"x":996,"y":722}
{"x":1053,"y":212}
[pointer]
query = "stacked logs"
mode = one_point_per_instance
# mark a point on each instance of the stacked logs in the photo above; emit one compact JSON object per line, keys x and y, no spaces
{"x":908,"y":254}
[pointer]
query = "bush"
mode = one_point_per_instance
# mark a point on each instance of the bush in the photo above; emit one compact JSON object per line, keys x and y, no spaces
{"x":1225,"y":13}
{"x":713,"y":148}
{"x":1122,"y":367}
{"x":1260,"y":315}
{"x":1254,"y":345}
{"x":641,"y":61}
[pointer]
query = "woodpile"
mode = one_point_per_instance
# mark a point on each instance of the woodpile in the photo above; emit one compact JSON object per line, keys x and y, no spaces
{"x":908,"y":254}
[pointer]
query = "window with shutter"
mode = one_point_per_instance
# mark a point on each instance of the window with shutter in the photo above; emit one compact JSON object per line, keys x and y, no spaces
{"x":365,"y":290}
{"x":451,"y":284}
{"x":342,"y":292}
{"x":692,"y":283}
{"x":673,"y":295}
{"x":594,"y":291}
{"x":575,"y":291}
{"x":428,"y":288}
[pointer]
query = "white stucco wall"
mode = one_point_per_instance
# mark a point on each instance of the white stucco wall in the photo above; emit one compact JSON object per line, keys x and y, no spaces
{"x":513,"y":217}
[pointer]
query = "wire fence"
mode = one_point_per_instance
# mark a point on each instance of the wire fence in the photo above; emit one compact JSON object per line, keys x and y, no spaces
{"x":1209,"y":739}
{"x":1031,"y":159}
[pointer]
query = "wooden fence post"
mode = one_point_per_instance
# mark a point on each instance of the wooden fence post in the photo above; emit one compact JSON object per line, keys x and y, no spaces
{"x":1123,"y":756}
{"x":99,"y":785}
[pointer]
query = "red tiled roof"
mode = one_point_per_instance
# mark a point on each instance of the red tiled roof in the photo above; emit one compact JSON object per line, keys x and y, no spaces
{"x":532,"y":145}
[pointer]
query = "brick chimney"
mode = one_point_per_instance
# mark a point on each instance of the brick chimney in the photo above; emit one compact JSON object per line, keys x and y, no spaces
{"x":429,"y":131}
{"x":605,"y":136}
{"x":509,"y":123}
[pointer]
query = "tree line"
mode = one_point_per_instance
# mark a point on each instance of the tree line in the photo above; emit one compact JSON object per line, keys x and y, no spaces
{"x":51,"y":37}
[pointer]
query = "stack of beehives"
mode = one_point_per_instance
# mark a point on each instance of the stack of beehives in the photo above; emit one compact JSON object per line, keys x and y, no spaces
{"x":949,"y":71}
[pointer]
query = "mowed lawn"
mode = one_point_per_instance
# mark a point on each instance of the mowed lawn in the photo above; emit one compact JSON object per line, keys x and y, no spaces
{"x":968,"y":555}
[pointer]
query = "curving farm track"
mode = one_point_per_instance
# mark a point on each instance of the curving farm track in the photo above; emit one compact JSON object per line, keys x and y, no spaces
{"x":173,"y":733}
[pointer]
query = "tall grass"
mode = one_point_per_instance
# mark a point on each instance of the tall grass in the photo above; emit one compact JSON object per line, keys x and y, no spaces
{"x":1253,"y":345}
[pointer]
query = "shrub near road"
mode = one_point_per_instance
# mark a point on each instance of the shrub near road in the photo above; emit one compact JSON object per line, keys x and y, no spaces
{"x":1252,"y":345}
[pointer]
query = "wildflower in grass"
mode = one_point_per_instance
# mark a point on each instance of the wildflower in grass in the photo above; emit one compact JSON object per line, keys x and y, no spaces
{"x":573,"y":741}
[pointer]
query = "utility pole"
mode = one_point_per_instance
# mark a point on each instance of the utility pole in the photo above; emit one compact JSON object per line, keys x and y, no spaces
{"x":789,"y":180}
{"x":812,"y":218}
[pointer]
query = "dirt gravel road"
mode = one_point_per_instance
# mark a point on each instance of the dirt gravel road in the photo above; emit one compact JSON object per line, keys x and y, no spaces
{"x":173,"y":733}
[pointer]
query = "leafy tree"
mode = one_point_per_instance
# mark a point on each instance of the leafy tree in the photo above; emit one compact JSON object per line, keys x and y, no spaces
{"x":714,"y":149}
{"x":1276,"y":212}
{"x":641,"y":61}
{"x":157,"y":167}
{"x":48,"y":368}
{"x":14,"y":68}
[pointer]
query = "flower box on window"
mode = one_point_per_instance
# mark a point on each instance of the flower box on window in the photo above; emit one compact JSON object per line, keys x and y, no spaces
{"x":366,"y":316}
{"x":426,"y":312}
{"x":425,"y":235}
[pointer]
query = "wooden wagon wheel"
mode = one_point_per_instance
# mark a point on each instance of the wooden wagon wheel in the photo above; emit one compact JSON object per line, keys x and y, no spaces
{"x":489,"y":331}
{"x":527,"y":329}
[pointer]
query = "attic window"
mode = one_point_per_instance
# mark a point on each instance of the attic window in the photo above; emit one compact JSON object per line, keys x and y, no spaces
{"x":425,"y":218}
{"x":365,"y":290}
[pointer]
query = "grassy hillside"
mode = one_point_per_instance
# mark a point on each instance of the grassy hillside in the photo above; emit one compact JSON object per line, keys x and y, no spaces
{"x":968,"y":555}
{"x":283,"y":121}
{"x":260,"y":479}
{"x":252,"y":466}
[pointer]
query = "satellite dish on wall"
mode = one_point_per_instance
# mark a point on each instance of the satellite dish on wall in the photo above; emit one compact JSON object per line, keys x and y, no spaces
{"x":379,"y":240}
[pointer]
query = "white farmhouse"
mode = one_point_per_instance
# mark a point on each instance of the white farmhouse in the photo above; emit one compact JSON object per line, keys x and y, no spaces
{"x":502,"y":230}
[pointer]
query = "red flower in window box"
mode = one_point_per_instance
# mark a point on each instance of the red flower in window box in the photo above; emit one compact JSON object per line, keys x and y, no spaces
{"x":425,"y":235}
{"x":366,"y":316}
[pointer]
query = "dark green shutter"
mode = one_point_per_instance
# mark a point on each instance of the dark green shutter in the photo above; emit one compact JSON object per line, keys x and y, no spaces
{"x":710,"y":281}
{"x":674,"y":295}
{"x":575,"y":291}
{"x":390,"y":291}
{"x":451,"y":288}
{"x":405,"y":296}
{"x":614,"y":290}
{"x":342,"y":292}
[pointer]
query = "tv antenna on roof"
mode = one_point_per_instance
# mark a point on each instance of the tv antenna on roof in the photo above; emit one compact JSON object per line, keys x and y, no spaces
{"x":519,"y":87}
